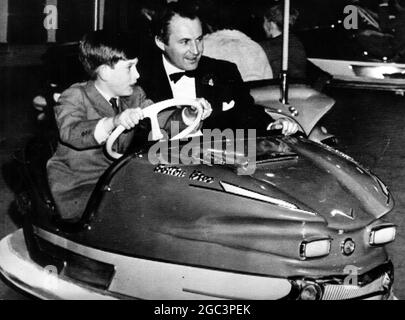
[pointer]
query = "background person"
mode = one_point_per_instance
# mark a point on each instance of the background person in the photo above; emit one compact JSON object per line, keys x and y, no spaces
{"x":273,"y":21}
{"x":223,"y":41}
{"x":375,"y":32}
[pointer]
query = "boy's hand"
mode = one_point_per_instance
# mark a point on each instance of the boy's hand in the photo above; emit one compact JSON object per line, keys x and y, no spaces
{"x":286,"y":125}
{"x":129,"y":118}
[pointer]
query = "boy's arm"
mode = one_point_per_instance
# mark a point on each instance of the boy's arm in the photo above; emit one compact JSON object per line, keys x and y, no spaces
{"x":75,"y":129}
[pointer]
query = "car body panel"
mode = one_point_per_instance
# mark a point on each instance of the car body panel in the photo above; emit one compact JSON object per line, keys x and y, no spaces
{"x":364,"y":74}
{"x":305,"y":104}
{"x":158,"y":216}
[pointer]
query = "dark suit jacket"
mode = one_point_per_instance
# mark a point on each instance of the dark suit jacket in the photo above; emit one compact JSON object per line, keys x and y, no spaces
{"x":217,"y":81}
{"x":79,"y":160}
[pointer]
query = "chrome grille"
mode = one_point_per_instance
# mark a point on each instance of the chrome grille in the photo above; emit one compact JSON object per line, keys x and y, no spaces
{"x":343,"y":292}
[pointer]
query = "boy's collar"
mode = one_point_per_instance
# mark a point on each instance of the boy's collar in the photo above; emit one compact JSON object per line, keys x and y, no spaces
{"x":106,"y":96}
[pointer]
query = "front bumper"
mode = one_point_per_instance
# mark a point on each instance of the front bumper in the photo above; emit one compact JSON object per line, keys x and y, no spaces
{"x":137,"y":279}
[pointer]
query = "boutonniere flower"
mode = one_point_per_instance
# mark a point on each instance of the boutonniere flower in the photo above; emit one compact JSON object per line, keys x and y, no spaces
{"x":209,"y":80}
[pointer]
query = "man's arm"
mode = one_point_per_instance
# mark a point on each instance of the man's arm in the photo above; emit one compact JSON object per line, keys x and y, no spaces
{"x":249,"y":115}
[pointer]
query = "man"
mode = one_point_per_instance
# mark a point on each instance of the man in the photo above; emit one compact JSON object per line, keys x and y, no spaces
{"x":181,"y":70}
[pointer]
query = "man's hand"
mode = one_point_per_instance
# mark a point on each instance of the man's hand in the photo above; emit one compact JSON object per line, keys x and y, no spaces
{"x":128,"y":118}
{"x":286,"y":125}
{"x":191,"y":112}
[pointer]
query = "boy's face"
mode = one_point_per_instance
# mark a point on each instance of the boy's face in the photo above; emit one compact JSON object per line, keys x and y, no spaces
{"x":185,"y":45}
{"x":121,"y":77}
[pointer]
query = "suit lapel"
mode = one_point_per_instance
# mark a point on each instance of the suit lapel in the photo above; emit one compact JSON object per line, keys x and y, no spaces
{"x":154,"y":80}
{"x":101,"y":105}
{"x":200,"y":86}
{"x":165,"y":91}
{"x":206,"y":80}
{"x":207,"y":87}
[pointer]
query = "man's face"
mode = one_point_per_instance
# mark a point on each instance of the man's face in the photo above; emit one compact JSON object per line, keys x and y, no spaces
{"x":185,"y":46}
{"x":121,"y":77}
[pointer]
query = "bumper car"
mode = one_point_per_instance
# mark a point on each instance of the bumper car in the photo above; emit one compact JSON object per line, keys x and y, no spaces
{"x":269,"y":217}
{"x":382,"y":75}
{"x":366,"y":57}
{"x":229,"y":216}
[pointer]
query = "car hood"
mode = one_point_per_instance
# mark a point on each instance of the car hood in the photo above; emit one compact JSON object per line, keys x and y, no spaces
{"x":311,"y":176}
{"x":227,"y":216}
{"x":325,"y":181}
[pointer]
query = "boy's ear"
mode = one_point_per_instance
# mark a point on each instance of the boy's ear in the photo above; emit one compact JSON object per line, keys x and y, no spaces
{"x":103,"y":71}
{"x":159,"y":43}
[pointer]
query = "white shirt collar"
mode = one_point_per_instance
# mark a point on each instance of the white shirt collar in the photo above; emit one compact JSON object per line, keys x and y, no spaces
{"x":185,"y":87}
{"x":104,"y":95}
{"x":170,"y":68}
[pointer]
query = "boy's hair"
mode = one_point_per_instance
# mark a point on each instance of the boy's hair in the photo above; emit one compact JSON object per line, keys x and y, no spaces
{"x":162,"y":23}
{"x":276,"y":14}
{"x":102,"y":47}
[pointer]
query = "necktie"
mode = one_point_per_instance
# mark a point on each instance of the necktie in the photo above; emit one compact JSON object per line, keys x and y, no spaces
{"x":177,"y":75}
{"x":114,"y":105}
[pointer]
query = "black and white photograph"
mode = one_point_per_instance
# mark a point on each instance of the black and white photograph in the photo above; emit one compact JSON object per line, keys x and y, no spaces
{"x":192,"y":150}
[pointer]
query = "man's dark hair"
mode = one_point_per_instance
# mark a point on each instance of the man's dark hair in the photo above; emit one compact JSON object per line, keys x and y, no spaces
{"x":184,"y":9}
{"x":104,"y":47}
{"x":275,"y":13}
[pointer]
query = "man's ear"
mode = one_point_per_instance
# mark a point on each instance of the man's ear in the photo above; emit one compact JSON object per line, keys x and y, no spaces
{"x":159,"y":43}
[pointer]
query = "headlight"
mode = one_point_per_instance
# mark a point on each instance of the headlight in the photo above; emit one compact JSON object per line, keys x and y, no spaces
{"x":315,"y":248}
{"x":306,"y":290}
{"x":382,"y":234}
{"x":311,"y":291}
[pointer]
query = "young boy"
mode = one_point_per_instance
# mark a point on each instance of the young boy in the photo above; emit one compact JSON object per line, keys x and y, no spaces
{"x":87,"y":113}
